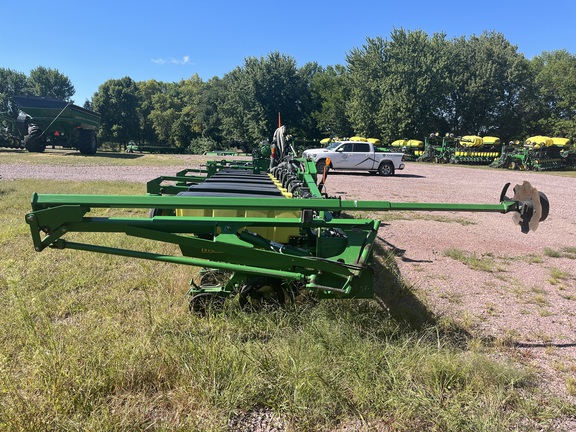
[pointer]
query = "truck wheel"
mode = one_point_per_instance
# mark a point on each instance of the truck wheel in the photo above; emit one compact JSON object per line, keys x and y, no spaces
{"x":386,"y":168}
{"x":35,"y":141}
{"x":87,"y":142}
{"x":320,"y":165}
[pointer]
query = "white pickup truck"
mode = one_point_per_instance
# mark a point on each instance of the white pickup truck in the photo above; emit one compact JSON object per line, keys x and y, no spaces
{"x":356,"y":156}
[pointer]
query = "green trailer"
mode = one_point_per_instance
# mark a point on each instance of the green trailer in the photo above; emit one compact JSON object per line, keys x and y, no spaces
{"x":45,"y":122}
{"x":263,"y":232}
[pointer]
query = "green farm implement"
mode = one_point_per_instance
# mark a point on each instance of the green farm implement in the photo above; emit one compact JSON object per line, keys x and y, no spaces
{"x":9,"y":135}
{"x":411,"y":148}
{"x":44,"y":121}
{"x":468,"y":149}
{"x":538,"y":153}
{"x":262,"y":231}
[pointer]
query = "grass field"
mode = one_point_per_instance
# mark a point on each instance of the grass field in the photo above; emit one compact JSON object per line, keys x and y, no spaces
{"x":71,"y":157}
{"x":96,"y":342}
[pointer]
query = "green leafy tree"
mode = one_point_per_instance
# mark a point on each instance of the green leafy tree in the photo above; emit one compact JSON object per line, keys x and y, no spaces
{"x":174,"y":113}
{"x":50,"y":83}
{"x":201,"y":145}
{"x":237,"y":107}
{"x":329,"y":90}
{"x":555,"y":78}
{"x":366,"y":71}
{"x":257,"y":92}
{"x":208,"y":121}
{"x":117,"y":102}
{"x":413,"y":85}
{"x":11,"y":83}
{"x":186,"y":127}
{"x":490,"y":82}
{"x":165,"y":108}
{"x":146,"y":92}
{"x":308,"y":103}
{"x":397,"y":86}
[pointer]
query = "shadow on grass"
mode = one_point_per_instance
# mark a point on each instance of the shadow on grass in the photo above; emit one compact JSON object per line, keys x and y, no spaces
{"x":399,"y":298}
{"x":392,"y":293}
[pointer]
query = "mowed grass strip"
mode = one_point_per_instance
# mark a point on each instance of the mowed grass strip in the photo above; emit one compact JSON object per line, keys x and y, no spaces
{"x":98,"y":342}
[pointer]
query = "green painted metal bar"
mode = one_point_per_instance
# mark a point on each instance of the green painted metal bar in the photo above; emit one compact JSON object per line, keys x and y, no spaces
{"x":190,"y":202}
{"x":245,"y":253}
{"x":178,"y":224}
{"x":165,"y":229}
{"x":155,"y":187}
{"x":366,"y":251}
{"x":257,"y":271}
{"x":184,"y":172}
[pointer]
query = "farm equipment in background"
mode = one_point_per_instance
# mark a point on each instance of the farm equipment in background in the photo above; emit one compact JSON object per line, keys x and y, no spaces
{"x":9,"y":136}
{"x":473,"y":149}
{"x":467,"y":149}
{"x":263,"y":231}
{"x":411,"y":148}
{"x":44,"y":121}
{"x":538,"y":153}
{"x":437,"y":149}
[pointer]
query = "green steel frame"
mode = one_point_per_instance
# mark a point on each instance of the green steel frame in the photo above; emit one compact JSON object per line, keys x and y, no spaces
{"x":325,"y":254}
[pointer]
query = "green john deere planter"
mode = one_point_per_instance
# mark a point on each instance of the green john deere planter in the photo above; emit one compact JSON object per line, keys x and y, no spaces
{"x":538,"y":153}
{"x":467,"y":149}
{"x":262,"y":231}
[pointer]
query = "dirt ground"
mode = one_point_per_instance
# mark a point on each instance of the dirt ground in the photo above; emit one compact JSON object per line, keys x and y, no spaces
{"x":518,"y":290}
{"x":476,"y":269}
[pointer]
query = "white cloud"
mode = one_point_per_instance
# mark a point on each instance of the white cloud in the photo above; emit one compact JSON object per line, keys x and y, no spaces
{"x":183,"y":61}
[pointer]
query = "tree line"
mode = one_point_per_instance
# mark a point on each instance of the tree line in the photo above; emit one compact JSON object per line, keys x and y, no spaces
{"x":406,"y":86}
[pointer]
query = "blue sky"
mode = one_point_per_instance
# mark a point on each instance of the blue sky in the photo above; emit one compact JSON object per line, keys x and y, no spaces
{"x":94,"y":41}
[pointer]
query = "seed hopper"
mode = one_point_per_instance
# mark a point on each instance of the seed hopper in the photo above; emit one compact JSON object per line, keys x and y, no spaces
{"x":262,"y":231}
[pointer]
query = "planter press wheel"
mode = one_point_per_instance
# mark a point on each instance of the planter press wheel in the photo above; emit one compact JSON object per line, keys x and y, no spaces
{"x":160,"y":212}
{"x":261,"y":293}
{"x":206,"y":302}
{"x":214,"y":278}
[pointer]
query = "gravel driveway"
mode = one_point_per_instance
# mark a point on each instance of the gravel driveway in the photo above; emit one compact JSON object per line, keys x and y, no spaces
{"x":524,"y":295}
